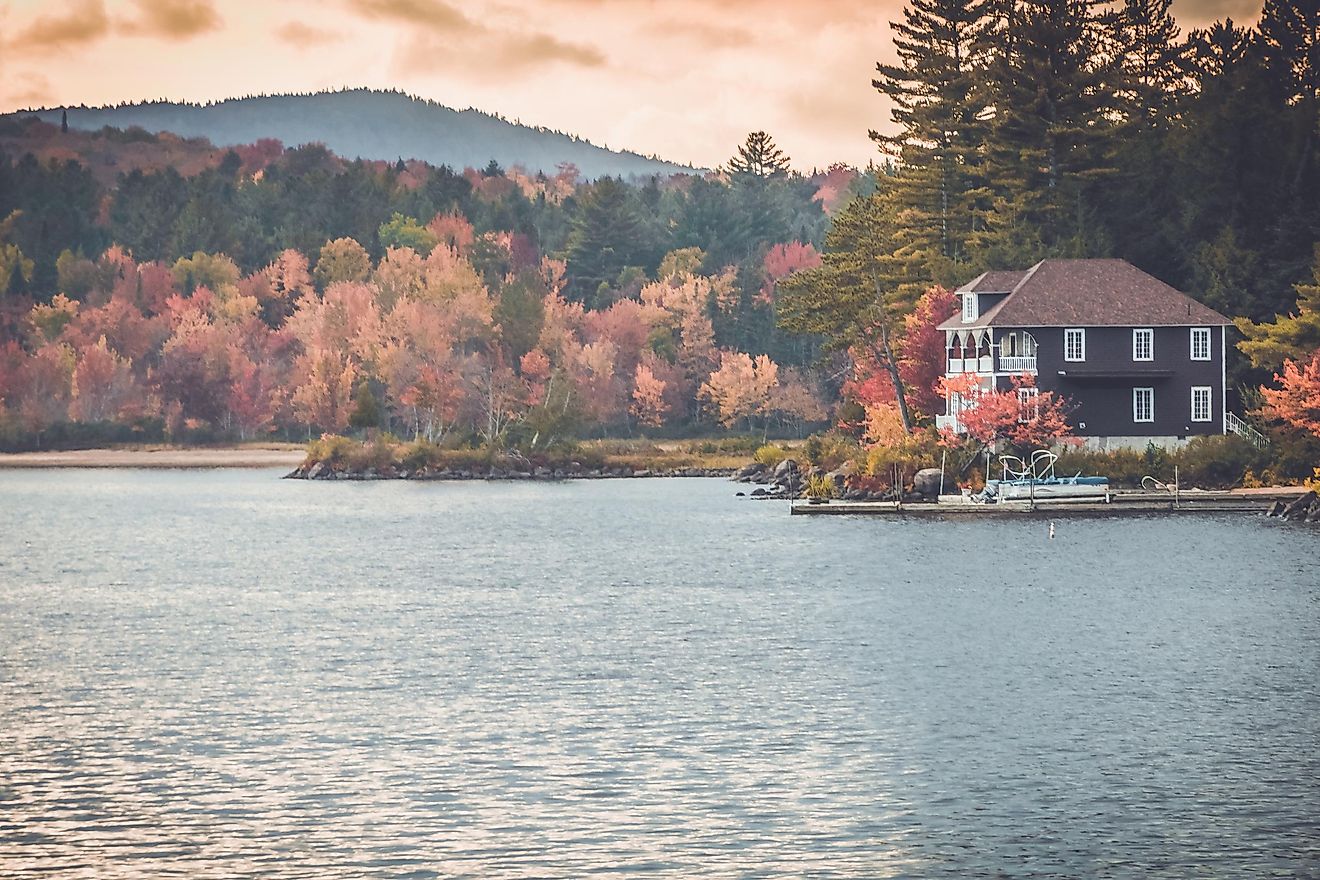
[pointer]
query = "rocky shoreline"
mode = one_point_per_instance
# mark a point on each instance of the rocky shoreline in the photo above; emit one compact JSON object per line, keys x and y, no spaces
{"x":788,"y":480}
{"x":573,"y":471}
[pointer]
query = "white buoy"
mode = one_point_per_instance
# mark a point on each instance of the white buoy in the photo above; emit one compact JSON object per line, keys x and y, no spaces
{"x":1051,"y":531}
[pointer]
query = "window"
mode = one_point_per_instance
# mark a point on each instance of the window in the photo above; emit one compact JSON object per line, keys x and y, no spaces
{"x":969,"y":307}
{"x":1200,"y":343}
{"x":1143,"y":404}
{"x":1201,"y":403}
{"x":1074,"y":345}
{"x":1028,"y":404}
{"x":1143,"y":345}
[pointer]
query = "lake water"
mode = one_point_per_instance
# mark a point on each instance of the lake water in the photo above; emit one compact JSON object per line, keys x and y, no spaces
{"x":226,"y":674}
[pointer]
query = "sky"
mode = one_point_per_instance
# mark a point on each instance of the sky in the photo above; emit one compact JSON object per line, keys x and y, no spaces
{"x":682,"y":79}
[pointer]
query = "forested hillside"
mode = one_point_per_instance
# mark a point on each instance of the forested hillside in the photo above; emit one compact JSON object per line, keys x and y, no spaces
{"x":368,"y":124}
{"x":290,"y":291}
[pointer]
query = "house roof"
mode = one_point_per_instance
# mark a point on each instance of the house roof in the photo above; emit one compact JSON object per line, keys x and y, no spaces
{"x":994,"y":281}
{"x":1085,"y":293}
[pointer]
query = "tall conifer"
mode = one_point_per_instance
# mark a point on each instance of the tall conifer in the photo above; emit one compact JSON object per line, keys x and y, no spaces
{"x":938,"y":108}
{"x":1050,"y":87}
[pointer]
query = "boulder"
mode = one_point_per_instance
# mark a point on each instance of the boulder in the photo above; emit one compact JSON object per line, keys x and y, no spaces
{"x":316,"y":470}
{"x":927,"y":482}
{"x":784,"y":468}
{"x":1276,"y":509}
{"x":748,"y":472}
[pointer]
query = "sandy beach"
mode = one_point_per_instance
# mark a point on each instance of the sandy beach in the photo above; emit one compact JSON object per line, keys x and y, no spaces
{"x":272,"y":455}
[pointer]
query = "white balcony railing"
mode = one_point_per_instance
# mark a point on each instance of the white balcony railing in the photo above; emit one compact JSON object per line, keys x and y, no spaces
{"x":1017,"y":365}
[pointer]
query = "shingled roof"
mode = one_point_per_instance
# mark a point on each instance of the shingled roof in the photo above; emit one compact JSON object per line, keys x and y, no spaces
{"x":993,"y":281}
{"x":1085,"y":293}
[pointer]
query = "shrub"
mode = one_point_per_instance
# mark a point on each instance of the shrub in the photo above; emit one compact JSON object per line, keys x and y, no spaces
{"x":421,"y":454}
{"x":1217,"y":462}
{"x":819,"y":486}
{"x":771,"y":455}
{"x":830,"y":451}
{"x":331,"y":449}
{"x":377,"y":455}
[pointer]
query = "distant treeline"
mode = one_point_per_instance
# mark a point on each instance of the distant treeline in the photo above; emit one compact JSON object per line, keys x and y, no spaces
{"x":292,"y":292}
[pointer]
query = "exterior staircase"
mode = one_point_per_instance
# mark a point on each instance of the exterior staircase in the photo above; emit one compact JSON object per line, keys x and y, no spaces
{"x":1235,"y":425}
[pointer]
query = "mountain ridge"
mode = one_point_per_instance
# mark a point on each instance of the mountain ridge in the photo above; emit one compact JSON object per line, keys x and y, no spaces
{"x":369,"y":124}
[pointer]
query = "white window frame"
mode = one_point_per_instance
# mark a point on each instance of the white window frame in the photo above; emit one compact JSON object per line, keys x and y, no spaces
{"x":1208,"y":394}
{"x":1081,"y":344}
{"x":1137,"y":394}
{"x":1139,"y":334}
{"x":1202,"y":333}
{"x":969,"y":307}
{"x":1028,"y":399}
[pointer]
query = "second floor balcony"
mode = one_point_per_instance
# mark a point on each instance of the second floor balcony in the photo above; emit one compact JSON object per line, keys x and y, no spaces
{"x":986,"y":365}
{"x":1017,"y":364}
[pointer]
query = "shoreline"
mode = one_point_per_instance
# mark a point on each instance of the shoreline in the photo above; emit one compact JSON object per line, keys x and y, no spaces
{"x":162,"y":457}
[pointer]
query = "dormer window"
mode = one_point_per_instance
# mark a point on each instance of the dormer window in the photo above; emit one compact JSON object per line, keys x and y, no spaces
{"x":969,"y":307}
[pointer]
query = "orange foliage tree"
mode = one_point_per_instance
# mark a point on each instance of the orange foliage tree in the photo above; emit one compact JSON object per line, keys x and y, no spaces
{"x":1023,"y":416}
{"x":1296,"y":402}
{"x":648,"y":405}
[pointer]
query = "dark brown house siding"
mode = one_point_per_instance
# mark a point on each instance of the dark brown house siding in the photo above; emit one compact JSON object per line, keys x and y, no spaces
{"x":1102,"y":385}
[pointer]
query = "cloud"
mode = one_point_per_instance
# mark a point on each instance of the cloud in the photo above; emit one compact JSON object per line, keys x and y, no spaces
{"x":175,"y":18}
{"x":305,"y":36}
{"x":84,"y":22}
{"x":536,"y":49}
{"x":433,"y":15}
{"x":703,"y":33}
{"x":33,"y":91}
{"x":492,"y":56}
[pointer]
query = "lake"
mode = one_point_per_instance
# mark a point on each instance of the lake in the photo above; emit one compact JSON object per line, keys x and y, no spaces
{"x":219,"y":673}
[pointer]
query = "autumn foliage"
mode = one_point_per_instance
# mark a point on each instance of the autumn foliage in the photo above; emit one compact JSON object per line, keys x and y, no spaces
{"x":1023,"y":416}
{"x":1296,"y":402}
{"x":297,"y":345}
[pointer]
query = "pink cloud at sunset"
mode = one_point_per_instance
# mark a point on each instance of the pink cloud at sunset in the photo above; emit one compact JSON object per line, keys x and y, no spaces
{"x":684,"y":79}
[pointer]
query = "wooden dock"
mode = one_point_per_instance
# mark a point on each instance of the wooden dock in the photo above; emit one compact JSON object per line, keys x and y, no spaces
{"x":1120,"y":504}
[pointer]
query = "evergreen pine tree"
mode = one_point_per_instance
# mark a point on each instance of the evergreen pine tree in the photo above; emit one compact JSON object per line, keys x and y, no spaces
{"x":857,"y":298}
{"x":1051,"y":131}
{"x":608,"y":234}
{"x":941,"y":49}
{"x":759,"y":157}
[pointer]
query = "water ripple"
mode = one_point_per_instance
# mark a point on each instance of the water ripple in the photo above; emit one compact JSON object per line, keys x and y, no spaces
{"x":225,"y":675}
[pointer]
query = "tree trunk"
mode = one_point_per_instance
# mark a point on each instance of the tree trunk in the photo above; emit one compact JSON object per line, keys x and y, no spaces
{"x":886,"y":353}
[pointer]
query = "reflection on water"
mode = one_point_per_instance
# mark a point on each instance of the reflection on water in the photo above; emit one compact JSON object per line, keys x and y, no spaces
{"x":220,"y":673}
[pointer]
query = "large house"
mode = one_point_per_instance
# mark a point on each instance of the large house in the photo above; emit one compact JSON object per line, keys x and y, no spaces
{"x":1141,"y":362}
